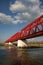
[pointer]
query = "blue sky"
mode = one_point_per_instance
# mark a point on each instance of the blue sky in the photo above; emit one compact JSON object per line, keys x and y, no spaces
{"x":15,"y":14}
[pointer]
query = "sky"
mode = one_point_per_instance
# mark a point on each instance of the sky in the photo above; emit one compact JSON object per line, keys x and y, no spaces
{"x":16,"y":14}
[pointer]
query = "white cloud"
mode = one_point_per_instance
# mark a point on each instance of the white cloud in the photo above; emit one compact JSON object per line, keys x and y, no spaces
{"x":24,"y":5}
{"x":33,"y":1}
{"x":18,"y":6}
{"x":7,"y":19}
{"x":26,"y":11}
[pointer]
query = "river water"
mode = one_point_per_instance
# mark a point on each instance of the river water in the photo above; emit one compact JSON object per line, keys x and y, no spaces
{"x":18,"y":56}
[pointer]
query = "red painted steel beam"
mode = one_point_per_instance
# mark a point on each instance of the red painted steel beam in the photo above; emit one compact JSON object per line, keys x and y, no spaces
{"x":40,"y":33}
{"x":28,"y":31}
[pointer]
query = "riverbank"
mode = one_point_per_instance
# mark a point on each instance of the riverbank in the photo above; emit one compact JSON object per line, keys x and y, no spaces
{"x":29,"y":45}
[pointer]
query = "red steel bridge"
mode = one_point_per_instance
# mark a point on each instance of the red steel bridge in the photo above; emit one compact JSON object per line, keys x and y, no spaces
{"x":34,"y":29}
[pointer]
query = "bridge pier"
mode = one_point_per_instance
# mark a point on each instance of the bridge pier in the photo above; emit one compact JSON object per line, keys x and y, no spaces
{"x":21,"y":43}
{"x":9,"y":43}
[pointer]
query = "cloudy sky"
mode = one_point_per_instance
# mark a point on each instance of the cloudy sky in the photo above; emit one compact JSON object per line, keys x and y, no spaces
{"x":15,"y":14}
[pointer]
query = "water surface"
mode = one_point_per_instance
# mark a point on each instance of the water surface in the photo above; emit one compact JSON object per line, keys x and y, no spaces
{"x":17,"y":56}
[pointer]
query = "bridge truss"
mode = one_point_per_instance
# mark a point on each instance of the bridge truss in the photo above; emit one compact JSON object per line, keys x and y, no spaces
{"x":33,"y":29}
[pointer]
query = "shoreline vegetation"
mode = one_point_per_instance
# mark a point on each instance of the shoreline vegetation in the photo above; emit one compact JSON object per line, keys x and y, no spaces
{"x":29,"y":45}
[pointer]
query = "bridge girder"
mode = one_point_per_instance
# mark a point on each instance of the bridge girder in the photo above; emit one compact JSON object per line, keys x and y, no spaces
{"x":31,"y":30}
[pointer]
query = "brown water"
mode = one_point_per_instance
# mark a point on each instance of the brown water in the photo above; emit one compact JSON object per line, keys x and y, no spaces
{"x":15,"y":56}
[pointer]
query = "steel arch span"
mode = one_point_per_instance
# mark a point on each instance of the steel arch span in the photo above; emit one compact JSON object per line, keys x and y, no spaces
{"x":34,"y":29}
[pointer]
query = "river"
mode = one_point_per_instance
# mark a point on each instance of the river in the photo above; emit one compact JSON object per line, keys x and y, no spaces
{"x":18,"y":56}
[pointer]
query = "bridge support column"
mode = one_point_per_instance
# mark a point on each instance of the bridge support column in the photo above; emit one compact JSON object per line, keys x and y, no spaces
{"x":9,"y":43}
{"x":21,"y":43}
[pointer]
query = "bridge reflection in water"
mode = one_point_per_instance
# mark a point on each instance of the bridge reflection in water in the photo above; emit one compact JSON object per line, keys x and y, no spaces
{"x":16,"y":56}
